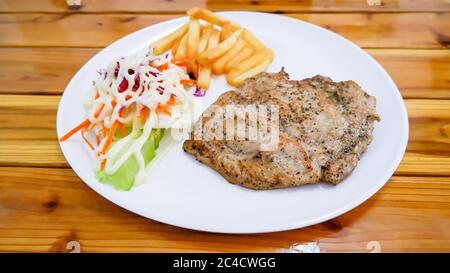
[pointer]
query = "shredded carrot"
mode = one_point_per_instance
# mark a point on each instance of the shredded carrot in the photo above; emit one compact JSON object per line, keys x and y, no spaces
{"x":113,"y":103}
{"x":97,"y":140}
{"x":145,"y":111}
{"x":99,"y":110}
{"x":102,"y":165}
{"x":163,"y":67}
{"x":85,"y":138}
{"x":172,"y":100}
{"x":104,"y":130}
{"x":122,"y":129}
{"x":112,"y":130}
{"x":163,"y":109}
{"x":187,"y":82}
{"x":97,"y":95}
{"x":127,"y":97}
{"x":74,"y":130}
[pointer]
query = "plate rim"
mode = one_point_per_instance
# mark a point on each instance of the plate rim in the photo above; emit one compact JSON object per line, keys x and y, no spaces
{"x":296,"y":224}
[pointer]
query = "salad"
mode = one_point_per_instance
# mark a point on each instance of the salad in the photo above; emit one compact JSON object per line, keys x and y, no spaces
{"x":131,"y":104}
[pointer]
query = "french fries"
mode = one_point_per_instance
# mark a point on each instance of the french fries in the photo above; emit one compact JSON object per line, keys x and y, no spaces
{"x":182,"y":48}
{"x":164,"y":44}
{"x":210,"y":17}
{"x":226,"y":32}
{"x":204,"y":74}
{"x":250,"y":62}
{"x":237,"y":80}
{"x":219,"y":65}
{"x":175,"y":46}
{"x":192,"y":43}
{"x":250,"y":68}
{"x":239,"y":58}
{"x":204,"y":40}
{"x":219,"y":46}
{"x":220,"y":49}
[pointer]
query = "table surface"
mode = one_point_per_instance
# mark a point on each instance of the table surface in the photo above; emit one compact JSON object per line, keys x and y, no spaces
{"x":44,"y":205}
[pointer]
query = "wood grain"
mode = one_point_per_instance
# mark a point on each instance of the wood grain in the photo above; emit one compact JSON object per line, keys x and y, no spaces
{"x":40,"y":70}
{"x":48,"y":70}
{"x":417,"y":73}
{"x":382,"y":30}
{"x":28,"y":136}
{"x":44,"y":205}
{"x":379,"y":30}
{"x":73,"y":30}
{"x":329,"y":5}
{"x":44,"y":208}
{"x":146,"y":6}
{"x":424,"y":164}
{"x":141,"y":6}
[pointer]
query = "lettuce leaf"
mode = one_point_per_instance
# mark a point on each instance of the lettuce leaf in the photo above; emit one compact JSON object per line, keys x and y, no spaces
{"x":123,"y":178}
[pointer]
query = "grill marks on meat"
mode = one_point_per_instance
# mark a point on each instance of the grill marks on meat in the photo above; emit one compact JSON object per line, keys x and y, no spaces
{"x":325,"y":126}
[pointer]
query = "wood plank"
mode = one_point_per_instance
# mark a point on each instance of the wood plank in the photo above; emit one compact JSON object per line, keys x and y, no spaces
{"x":31,"y":153}
{"x":48,"y":70}
{"x":431,"y":69}
{"x":398,"y":30}
{"x":28,"y":136}
{"x":55,"y":207}
{"x":154,"y":6}
{"x":73,"y":30}
{"x":40,"y":70}
{"x":383,"y":30}
{"x":424,"y":163}
{"x":329,"y":5}
{"x":141,"y":6}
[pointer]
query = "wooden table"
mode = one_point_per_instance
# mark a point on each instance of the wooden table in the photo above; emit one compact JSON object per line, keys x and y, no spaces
{"x":44,"y":205}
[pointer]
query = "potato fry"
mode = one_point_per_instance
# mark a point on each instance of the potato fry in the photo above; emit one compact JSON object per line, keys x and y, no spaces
{"x":251,"y":39}
{"x":226,"y":32}
{"x":237,"y":79}
{"x":211,"y":17}
{"x":176,"y":45}
{"x":206,"y":26}
{"x":165,"y":43}
{"x":214,"y":39}
{"x":252,"y":61}
{"x":182,"y":48}
{"x":238,"y":58}
{"x":220,"y":49}
{"x":204,"y":74}
{"x":218,"y":66}
{"x":192,"y":43}
{"x":202,"y":45}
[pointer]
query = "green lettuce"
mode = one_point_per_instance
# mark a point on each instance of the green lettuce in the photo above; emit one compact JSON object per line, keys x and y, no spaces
{"x":123,"y":178}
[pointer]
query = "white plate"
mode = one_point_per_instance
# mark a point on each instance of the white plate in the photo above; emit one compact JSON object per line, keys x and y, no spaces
{"x":185,"y":193}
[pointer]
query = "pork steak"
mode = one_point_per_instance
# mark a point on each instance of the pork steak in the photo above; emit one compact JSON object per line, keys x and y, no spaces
{"x":324,"y":127}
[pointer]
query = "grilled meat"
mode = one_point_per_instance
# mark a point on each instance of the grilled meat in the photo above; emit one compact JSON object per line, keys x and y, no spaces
{"x":324,"y":127}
